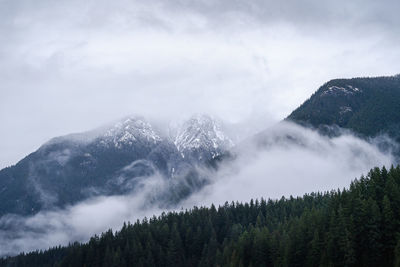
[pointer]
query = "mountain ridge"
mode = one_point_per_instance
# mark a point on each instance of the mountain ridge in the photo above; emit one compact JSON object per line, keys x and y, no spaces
{"x":70,"y":168}
{"x":367,"y":106}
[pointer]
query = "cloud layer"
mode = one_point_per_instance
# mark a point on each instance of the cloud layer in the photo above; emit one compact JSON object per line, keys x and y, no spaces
{"x":292,"y":161}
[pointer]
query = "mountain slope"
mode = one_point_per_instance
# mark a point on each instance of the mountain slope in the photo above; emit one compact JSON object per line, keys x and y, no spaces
{"x":71,"y":168}
{"x":106,"y":161}
{"x":368,"y":106}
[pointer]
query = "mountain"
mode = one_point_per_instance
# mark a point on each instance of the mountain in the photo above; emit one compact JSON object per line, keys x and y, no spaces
{"x":201,"y":138}
{"x":111,"y":160}
{"x":367,"y":106}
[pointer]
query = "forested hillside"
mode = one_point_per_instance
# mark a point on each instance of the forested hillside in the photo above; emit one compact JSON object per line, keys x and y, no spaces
{"x":358,"y":226}
{"x":368,"y":106}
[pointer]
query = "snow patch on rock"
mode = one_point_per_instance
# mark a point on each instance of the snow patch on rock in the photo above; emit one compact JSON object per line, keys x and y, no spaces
{"x":201,"y":132}
{"x":343,"y":110}
{"x":337,"y":90}
{"x":128,"y":132}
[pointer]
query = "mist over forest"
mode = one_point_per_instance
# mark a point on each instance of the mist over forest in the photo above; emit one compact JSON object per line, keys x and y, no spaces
{"x":200,"y":133}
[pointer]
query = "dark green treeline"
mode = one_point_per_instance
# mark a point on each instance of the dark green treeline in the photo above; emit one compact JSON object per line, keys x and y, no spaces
{"x":358,"y":226}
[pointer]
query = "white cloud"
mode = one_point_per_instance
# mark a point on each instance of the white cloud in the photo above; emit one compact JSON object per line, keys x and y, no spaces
{"x":294,"y":161}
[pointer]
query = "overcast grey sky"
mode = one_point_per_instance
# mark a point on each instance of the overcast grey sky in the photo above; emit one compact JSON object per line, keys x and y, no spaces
{"x":68,"y":66}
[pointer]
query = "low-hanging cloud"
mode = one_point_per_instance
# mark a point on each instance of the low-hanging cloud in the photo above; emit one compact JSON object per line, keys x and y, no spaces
{"x":284,"y":160}
{"x":79,"y":222}
{"x":291,"y":160}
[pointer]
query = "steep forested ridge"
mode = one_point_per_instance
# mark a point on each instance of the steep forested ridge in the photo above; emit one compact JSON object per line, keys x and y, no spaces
{"x":358,"y":226}
{"x":368,"y":106}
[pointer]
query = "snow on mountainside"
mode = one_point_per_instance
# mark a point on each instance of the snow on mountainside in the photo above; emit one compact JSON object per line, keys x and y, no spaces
{"x":198,"y":133}
{"x":129,"y":131}
{"x":126,"y":132}
{"x":338,"y":90}
{"x":201,"y":137}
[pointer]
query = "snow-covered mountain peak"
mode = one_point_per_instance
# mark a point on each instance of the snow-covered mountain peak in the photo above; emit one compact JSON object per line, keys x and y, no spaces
{"x":129,"y":131}
{"x":200,"y":137}
{"x":201,"y":132}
